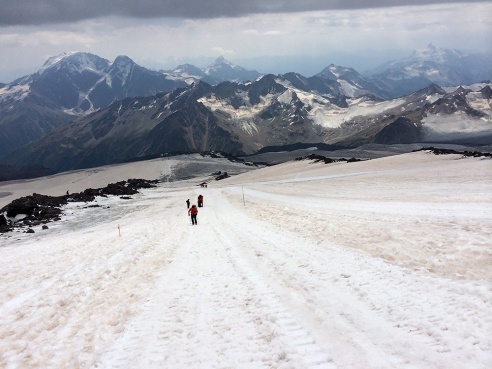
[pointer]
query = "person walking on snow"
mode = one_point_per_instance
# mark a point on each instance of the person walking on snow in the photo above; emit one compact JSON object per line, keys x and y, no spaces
{"x":188,"y":204}
{"x":193,"y":212}
{"x":200,"y":201}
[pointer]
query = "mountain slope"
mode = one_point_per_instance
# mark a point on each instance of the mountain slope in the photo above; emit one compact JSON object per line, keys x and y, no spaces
{"x":26,"y":116}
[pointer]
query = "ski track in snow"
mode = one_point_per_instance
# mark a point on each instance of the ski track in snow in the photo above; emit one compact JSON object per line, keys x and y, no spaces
{"x":252,"y":286}
{"x":219,"y":311}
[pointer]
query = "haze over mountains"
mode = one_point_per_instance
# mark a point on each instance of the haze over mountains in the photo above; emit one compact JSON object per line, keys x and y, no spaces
{"x":121,"y":111}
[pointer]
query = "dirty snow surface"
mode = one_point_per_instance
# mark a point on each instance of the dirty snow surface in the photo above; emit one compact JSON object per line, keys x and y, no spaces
{"x":378,"y":264}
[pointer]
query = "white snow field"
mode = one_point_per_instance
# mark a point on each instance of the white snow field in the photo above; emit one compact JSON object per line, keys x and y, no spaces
{"x":378,"y":264}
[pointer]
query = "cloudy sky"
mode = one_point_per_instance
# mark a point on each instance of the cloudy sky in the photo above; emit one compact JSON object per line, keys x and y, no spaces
{"x":271,"y":36}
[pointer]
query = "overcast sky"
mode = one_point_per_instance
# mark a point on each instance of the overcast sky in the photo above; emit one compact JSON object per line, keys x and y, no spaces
{"x":267,"y":35}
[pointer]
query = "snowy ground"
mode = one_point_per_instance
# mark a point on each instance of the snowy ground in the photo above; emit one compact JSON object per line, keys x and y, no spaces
{"x":377,"y":264}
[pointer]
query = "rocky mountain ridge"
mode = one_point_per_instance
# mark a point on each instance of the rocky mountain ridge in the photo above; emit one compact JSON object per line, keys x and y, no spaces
{"x":241,"y":119}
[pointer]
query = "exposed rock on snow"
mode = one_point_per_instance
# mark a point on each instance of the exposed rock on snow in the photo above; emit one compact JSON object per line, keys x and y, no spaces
{"x":39,"y":209}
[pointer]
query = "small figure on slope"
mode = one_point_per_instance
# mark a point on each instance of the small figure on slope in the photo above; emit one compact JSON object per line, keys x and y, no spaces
{"x":193,"y":212}
{"x":200,"y":201}
{"x":188,"y":204}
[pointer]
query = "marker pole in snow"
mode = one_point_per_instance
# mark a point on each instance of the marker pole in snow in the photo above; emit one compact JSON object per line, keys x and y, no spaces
{"x":243,"y":196}
{"x":119,"y":230}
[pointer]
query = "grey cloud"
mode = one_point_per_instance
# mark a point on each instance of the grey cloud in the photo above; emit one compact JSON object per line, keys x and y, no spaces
{"x":35,"y":12}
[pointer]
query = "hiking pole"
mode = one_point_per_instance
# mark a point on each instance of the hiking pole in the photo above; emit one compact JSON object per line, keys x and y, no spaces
{"x":243,"y":196}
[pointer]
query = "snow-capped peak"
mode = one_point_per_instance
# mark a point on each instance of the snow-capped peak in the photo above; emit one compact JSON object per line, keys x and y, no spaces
{"x":218,"y":64}
{"x":433,"y":53}
{"x":75,"y":61}
{"x":122,"y":60}
{"x":333,"y":69}
{"x":55,"y":60}
{"x":188,"y":69}
{"x":334,"y":72}
{"x":121,"y":68}
{"x":221,"y":60}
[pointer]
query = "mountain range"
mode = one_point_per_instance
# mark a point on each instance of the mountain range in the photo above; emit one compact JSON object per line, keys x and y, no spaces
{"x":220,"y":70}
{"x":72,"y":85}
{"x":80,"y":110}
{"x":443,"y":67}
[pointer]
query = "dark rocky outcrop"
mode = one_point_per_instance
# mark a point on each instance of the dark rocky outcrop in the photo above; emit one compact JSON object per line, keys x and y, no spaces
{"x":320,"y":158}
{"x":41,"y":209}
{"x":4,"y":226}
{"x":440,"y":151}
{"x":222,"y":176}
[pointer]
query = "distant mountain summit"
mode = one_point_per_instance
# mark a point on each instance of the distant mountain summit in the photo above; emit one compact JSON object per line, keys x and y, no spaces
{"x":74,"y":62}
{"x":82,"y":82}
{"x":187,"y":73}
{"x":223,"y":70}
{"x":431,"y":65}
{"x":219,"y":71}
{"x":218,"y":65}
{"x":350,"y":82}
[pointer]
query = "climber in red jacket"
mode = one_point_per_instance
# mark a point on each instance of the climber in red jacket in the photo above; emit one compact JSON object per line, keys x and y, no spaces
{"x":193,"y":212}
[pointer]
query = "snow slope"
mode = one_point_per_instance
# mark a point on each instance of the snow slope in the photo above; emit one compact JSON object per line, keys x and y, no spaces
{"x":377,"y":264}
